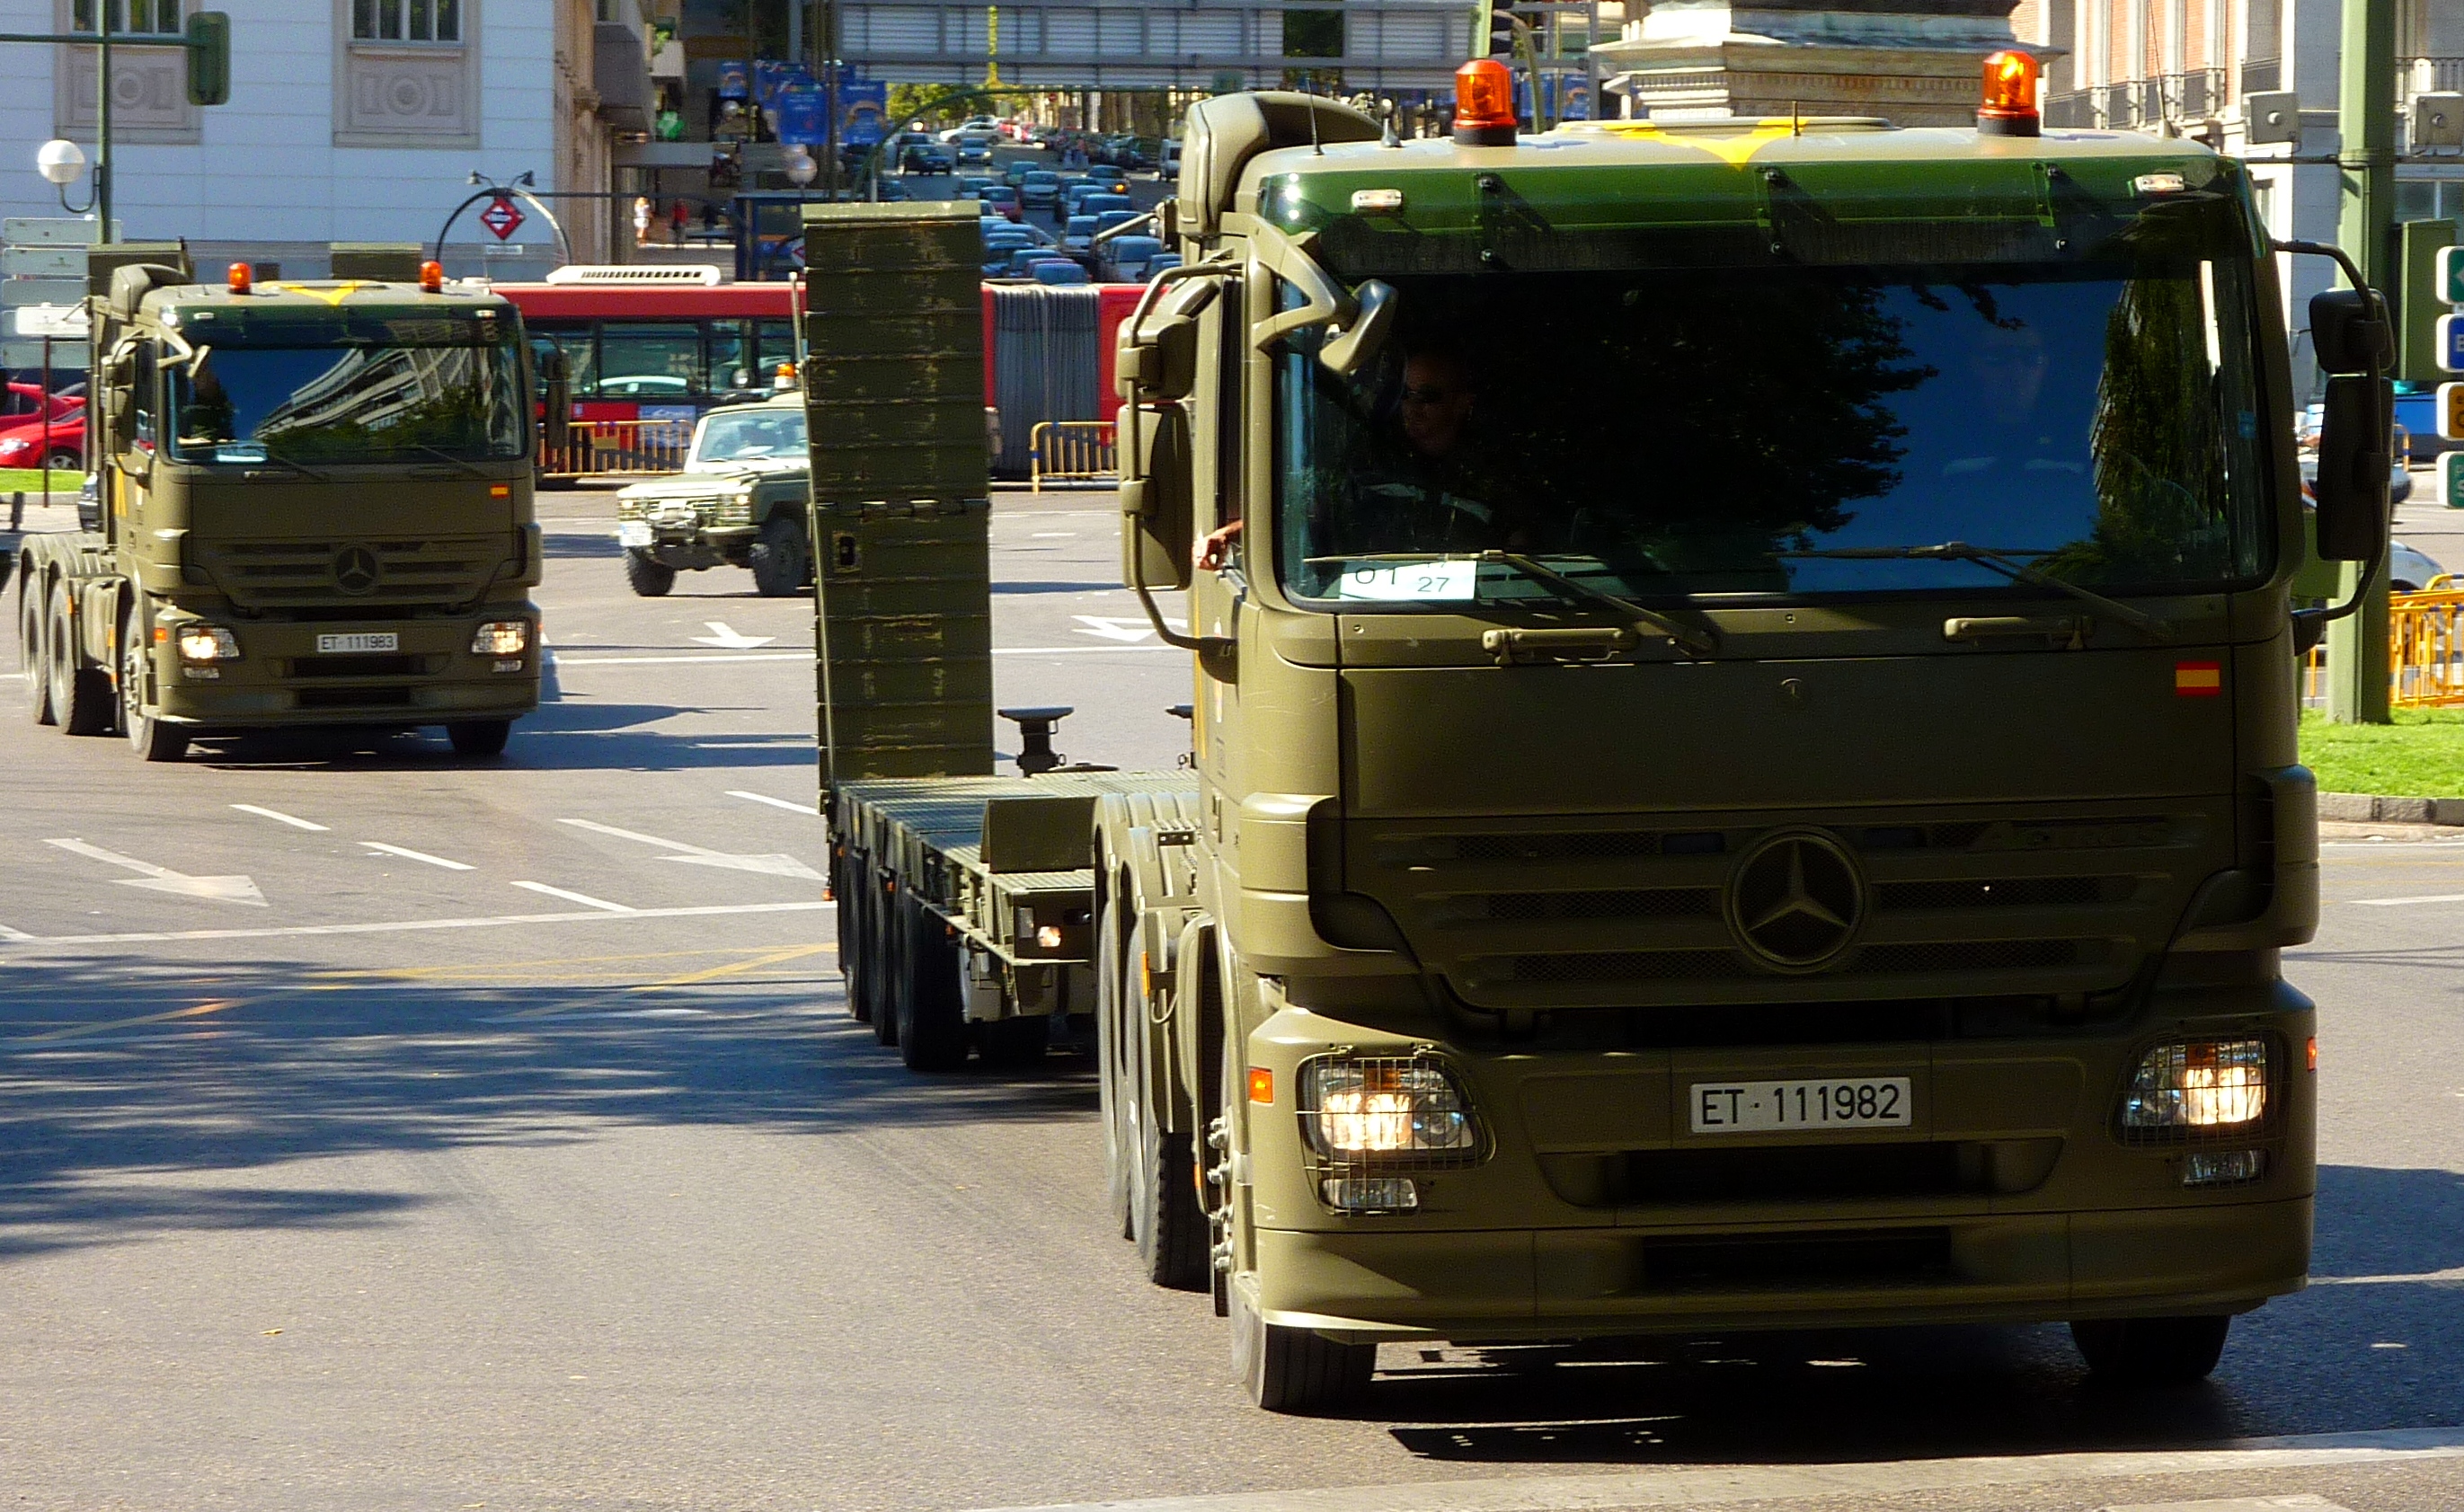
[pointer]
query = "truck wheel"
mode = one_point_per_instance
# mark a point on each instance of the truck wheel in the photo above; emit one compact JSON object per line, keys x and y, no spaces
{"x":150,"y":737}
{"x":1016,"y":1043}
{"x":881,"y":976}
{"x":781,"y":565}
{"x":2150,"y":1351}
{"x":647,"y":575}
{"x":33,"y":658}
{"x":1170,"y":1226}
{"x":1112,"y":967}
{"x":479,"y":737}
{"x":1293,"y":1369}
{"x":932,"y":1029}
{"x":80,"y":695}
{"x":854,"y":965}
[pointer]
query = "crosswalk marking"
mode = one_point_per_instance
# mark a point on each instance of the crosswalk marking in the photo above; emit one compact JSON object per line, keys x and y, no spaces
{"x":582,"y":898}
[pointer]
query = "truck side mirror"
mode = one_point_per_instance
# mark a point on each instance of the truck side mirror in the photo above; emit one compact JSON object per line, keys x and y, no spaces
{"x":2356,"y":432}
{"x":1357,"y":343}
{"x":2349,"y":333}
{"x":1155,"y":498}
{"x":1158,"y":352}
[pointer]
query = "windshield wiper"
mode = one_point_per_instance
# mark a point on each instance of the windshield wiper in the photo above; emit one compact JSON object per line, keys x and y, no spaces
{"x":2000,"y":561}
{"x":1698,"y":639}
{"x":467,"y":466}
{"x":270,"y":455}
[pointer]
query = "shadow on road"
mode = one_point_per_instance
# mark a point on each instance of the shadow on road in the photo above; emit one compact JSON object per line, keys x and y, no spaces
{"x":114,"y":1129}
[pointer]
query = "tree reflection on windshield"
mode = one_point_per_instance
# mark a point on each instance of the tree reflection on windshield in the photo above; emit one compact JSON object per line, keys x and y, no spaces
{"x":1673,"y":432}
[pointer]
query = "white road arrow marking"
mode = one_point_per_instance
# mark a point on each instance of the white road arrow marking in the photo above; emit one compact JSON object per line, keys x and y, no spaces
{"x":771,"y":866}
{"x":162,"y":879}
{"x":1106,"y":628}
{"x":806,"y":809}
{"x":727,"y":638}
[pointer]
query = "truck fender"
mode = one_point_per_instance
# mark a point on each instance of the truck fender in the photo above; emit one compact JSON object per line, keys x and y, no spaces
{"x":1197,"y":1025}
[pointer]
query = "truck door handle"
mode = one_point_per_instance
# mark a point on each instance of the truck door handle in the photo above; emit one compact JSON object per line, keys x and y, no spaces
{"x":1585,"y":643}
{"x":2056,"y":629}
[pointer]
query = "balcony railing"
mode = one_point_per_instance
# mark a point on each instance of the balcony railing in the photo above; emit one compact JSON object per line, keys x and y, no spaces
{"x":2140,"y":103}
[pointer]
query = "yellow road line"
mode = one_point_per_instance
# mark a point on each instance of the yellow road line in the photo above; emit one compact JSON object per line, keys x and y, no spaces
{"x":195,"y":1011}
{"x":689,"y":978}
{"x":509,"y":967}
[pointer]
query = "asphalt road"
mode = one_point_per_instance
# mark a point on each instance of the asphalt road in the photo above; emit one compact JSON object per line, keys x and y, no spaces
{"x":502,"y":1141}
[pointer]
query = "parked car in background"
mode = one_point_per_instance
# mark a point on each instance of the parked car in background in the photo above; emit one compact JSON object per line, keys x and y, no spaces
{"x":1003,"y":198}
{"x":1040,"y":189}
{"x":24,"y":441}
{"x":926,"y":158}
{"x":974,"y":147}
{"x":2411,"y":571}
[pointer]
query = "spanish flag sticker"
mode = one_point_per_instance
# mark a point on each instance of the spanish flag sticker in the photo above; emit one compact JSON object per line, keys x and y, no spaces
{"x":2198,"y":679}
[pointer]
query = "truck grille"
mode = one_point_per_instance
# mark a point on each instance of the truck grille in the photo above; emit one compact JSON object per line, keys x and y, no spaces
{"x":2070,"y":898}
{"x":301,"y":574}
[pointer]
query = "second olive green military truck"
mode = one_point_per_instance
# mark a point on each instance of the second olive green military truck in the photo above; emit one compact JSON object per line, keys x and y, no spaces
{"x":1745,"y":766}
{"x":309,"y":505}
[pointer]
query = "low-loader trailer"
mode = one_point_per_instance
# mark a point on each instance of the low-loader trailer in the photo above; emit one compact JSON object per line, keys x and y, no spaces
{"x":1744,"y":739}
{"x":309,"y":505}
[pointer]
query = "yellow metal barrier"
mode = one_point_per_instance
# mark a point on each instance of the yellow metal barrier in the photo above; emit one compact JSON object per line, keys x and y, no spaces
{"x":596,"y":448}
{"x":2424,"y":652}
{"x":1070,"y":451}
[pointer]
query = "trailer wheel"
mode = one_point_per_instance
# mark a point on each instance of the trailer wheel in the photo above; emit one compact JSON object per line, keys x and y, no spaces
{"x":645,"y":575}
{"x":1016,"y":1043}
{"x":2150,"y":1351}
{"x":855,"y":963}
{"x":80,"y":696}
{"x":931,"y":1025}
{"x":780,"y":562}
{"x":1112,"y":967}
{"x":1293,"y":1369}
{"x":880,"y":972}
{"x":150,"y":738}
{"x":1171,"y":1227}
{"x":33,"y":657}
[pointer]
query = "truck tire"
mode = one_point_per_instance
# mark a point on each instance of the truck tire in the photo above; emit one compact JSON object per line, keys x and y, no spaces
{"x":855,"y":964}
{"x":780,"y":562}
{"x":647,"y":575}
{"x":881,"y":942}
{"x":1112,"y":1040}
{"x":2150,"y":1351}
{"x":1169,"y":1224}
{"x":80,"y":695}
{"x":150,"y":737}
{"x":932,"y":1027}
{"x":479,"y":737}
{"x":1293,"y":1369}
{"x":32,"y":653}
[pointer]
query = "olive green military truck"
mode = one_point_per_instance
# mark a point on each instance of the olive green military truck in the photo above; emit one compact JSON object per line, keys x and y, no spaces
{"x":1745,"y":771}
{"x":739,"y":502}
{"x":312,"y":505}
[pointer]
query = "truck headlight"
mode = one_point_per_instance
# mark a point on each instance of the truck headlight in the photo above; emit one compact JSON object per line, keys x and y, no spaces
{"x":2198,"y":1084}
{"x":1401,"y":1107}
{"x":205,"y":645}
{"x":502,"y":638}
{"x":736,"y":509}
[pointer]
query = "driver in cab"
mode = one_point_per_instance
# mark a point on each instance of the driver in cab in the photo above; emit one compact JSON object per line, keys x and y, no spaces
{"x":1434,"y":483}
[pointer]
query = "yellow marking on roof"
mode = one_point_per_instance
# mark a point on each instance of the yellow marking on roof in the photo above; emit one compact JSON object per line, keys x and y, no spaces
{"x":333,"y":297}
{"x":1735,"y":148}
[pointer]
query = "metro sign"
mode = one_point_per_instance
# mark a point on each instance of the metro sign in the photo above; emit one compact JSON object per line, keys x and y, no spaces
{"x":504,"y":217}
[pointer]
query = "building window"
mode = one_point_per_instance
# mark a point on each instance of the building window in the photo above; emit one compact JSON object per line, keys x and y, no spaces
{"x":406,"y":20}
{"x":139,"y":17}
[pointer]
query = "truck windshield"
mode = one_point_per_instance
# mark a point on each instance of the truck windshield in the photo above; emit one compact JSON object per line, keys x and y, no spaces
{"x":1675,"y":433}
{"x":734,"y":437}
{"x":358,"y":403}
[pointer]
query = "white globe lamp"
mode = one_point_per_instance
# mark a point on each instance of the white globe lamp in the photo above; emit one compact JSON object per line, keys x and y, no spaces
{"x":61,"y":161}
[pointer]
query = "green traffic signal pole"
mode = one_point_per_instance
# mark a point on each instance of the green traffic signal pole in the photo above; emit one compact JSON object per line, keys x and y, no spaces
{"x":207,"y":41}
{"x":2357,"y":646}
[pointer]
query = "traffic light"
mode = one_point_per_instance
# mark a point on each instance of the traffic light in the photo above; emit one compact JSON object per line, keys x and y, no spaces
{"x":208,"y":58}
{"x":1494,"y":25}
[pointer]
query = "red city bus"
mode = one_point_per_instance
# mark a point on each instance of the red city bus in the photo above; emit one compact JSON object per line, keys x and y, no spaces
{"x":644,"y":351}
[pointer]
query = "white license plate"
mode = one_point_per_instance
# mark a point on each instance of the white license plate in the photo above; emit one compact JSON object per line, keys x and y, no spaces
{"x":632,"y":532}
{"x":346,"y":644}
{"x":1848,"y":1102}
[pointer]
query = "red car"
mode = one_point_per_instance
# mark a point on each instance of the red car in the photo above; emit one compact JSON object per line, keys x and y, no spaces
{"x":22,"y":438}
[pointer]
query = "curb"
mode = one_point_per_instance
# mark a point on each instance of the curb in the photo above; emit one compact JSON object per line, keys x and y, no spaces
{"x":2365,"y":808}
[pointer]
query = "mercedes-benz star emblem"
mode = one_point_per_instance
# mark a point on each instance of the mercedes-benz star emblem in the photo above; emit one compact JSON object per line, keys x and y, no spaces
{"x":356,"y":570}
{"x":1796,"y":900}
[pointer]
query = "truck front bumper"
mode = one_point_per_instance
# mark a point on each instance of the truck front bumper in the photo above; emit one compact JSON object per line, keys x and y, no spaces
{"x":1595,"y":1204}
{"x":281,"y":679}
{"x":690,"y":548}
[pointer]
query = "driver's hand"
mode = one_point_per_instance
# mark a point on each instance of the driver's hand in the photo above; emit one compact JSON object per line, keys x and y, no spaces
{"x":1211,"y":552}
